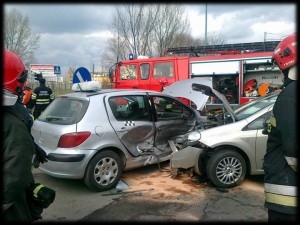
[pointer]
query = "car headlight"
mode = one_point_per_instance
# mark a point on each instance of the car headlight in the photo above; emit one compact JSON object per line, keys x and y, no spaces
{"x":191,"y":138}
{"x":194,"y":136}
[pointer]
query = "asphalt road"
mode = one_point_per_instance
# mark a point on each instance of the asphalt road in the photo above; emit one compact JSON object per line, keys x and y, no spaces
{"x":150,"y":194}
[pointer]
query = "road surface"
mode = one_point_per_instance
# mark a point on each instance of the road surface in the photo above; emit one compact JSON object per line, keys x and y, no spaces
{"x":151,"y":194}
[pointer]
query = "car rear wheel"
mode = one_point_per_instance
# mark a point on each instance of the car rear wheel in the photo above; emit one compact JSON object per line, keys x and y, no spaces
{"x":103,"y":171}
{"x":226,"y":169}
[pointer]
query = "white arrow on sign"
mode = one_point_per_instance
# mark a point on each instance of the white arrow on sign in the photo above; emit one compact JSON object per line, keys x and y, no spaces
{"x":79,"y":77}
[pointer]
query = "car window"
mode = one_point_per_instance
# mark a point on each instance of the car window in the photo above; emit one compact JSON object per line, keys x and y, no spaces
{"x":260,"y":122}
{"x":129,"y":108}
{"x":64,"y":111}
{"x":169,"y":109}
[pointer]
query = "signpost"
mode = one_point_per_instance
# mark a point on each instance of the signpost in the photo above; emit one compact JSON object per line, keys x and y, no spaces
{"x":82,"y":81}
{"x":81,"y":75}
{"x":57,"y":70}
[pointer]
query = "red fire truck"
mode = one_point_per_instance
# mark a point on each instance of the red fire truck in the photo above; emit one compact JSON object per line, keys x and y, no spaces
{"x":240,"y":71}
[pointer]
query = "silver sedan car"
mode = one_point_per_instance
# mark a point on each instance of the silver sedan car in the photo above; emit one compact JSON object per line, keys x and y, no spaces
{"x":227,"y":152}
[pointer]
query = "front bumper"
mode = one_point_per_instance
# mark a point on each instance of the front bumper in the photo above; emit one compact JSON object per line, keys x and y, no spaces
{"x":186,"y":158}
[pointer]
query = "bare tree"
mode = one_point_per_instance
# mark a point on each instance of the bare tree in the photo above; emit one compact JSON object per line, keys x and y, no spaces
{"x":146,"y":29}
{"x":170,"y":22}
{"x":183,"y":40}
{"x":18,"y":37}
{"x":186,"y":40}
{"x":143,"y":29}
{"x":215,"y":39}
{"x":133,"y":24}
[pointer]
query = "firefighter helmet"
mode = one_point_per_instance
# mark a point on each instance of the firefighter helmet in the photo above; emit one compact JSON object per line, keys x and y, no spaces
{"x":285,"y":54}
{"x":15,"y":73}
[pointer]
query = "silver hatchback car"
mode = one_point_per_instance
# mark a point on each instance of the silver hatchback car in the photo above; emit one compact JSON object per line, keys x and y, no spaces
{"x":233,"y":148}
{"x":97,"y":135}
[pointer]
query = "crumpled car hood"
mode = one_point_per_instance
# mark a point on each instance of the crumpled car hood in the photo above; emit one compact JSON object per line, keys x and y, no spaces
{"x":184,"y":89}
{"x":197,"y":90}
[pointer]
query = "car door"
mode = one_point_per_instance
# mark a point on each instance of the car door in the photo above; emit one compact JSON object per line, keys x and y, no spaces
{"x":257,"y":126}
{"x":172,"y":118}
{"x":130,"y":118}
{"x":261,"y":139}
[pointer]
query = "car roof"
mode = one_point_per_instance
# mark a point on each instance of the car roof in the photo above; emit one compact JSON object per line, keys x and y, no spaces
{"x":105,"y":91}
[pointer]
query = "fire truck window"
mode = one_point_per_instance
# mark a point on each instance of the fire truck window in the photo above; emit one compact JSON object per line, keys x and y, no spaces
{"x":145,"y":68}
{"x":128,"y":72}
{"x":163,"y":69}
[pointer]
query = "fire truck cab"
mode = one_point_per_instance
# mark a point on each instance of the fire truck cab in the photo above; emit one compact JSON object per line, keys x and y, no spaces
{"x":239,"y":71}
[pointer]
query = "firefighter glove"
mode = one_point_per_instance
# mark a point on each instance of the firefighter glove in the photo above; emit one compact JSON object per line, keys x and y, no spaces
{"x":40,"y":156}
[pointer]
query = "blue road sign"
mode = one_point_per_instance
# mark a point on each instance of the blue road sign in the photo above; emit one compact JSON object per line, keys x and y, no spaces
{"x":81,"y":75}
{"x":57,"y":70}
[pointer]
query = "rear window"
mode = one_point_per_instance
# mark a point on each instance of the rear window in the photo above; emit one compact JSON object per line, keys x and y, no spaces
{"x":64,"y":111}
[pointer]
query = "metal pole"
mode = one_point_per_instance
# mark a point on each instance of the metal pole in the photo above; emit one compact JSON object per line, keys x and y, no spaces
{"x":205,"y":42}
{"x":93,"y":72}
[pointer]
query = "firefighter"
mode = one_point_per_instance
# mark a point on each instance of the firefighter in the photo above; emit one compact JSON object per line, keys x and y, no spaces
{"x":18,"y":146}
{"x":280,"y":160}
{"x":41,"y":97}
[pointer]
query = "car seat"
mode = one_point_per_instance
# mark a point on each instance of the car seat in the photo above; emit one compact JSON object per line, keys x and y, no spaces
{"x":135,"y":111}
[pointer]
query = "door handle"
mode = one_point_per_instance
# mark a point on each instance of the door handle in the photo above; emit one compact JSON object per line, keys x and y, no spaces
{"x":123,"y":129}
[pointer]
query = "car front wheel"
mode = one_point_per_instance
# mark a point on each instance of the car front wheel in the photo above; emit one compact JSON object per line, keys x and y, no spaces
{"x":103,"y":171}
{"x":226,"y":169}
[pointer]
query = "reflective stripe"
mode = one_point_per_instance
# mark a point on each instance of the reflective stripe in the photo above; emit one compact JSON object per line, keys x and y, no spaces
{"x":37,"y":189}
{"x":281,"y":189}
{"x":273,"y":121}
{"x":43,"y":100}
{"x":281,"y":199}
{"x":42,"y":103}
{"x":33,"y":96}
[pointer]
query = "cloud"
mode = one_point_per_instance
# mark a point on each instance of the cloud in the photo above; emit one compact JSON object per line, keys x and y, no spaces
{"x":76,"y":34}
{"x":244,"y":22}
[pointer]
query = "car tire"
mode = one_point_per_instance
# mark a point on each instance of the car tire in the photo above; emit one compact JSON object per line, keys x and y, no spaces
{"x":103,"y":171}
{"x":226,"y":169}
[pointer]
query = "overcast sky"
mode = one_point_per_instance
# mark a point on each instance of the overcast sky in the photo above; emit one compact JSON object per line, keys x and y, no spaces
{"x":76,"y":34}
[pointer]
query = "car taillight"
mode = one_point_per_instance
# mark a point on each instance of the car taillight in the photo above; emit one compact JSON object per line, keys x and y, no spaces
{"x":73,"y":139}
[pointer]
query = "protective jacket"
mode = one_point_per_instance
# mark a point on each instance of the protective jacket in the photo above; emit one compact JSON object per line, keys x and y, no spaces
{"x":41,"y":97}
{"x":27,"y":96}
{"x":18,"y":150}
{"x":280,"y":160}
